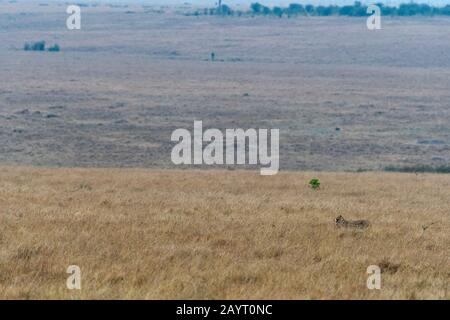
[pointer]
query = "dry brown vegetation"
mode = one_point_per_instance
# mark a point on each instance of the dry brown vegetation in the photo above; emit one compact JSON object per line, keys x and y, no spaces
{"x":221,"y":234}
{"x":123,"y":83}
{"x":343,"y":99}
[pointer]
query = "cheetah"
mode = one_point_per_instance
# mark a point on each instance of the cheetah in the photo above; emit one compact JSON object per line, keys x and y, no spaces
{"x":358,"y":224}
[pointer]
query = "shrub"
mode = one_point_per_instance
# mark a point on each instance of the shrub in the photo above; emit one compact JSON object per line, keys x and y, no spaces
{"x":36,"y":46}
{"x":55,"y":48}
{"x":314,"y":183}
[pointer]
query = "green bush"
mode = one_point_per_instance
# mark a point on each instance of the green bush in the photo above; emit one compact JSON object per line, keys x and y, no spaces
{"x":55,"y":48}
{"x":40,"y":46}
{"x":314,"y":183}
{"x":36,"y":46}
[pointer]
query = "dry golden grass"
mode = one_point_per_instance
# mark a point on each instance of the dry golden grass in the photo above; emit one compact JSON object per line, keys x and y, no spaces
{"x":215,"y":234}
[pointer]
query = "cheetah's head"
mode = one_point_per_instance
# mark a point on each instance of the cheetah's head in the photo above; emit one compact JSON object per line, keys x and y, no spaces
{"x":339,"y":220}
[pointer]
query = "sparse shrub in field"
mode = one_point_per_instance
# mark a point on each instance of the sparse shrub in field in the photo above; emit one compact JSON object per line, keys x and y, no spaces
{"x":36,"y":46}
{"x":40,"y":46}
{"x":55,"y":48}
{"x":314,"y":184}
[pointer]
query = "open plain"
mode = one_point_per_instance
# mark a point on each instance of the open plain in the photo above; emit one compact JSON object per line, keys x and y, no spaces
{"x":86,"y":176}
{"x":343,"y":97}
{"x":221,"y":235}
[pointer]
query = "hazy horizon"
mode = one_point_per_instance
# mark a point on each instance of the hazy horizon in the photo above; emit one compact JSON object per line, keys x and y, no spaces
{"x":248,"y":2}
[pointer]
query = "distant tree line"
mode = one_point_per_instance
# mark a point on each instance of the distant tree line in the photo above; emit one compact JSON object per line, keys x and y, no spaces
{"x":355,"y":10}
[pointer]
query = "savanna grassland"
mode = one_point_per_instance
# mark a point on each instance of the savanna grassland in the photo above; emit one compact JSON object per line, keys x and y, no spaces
{"x":86,"y":176}
{"x":221,"y":234}
{"x":343,"y":97}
